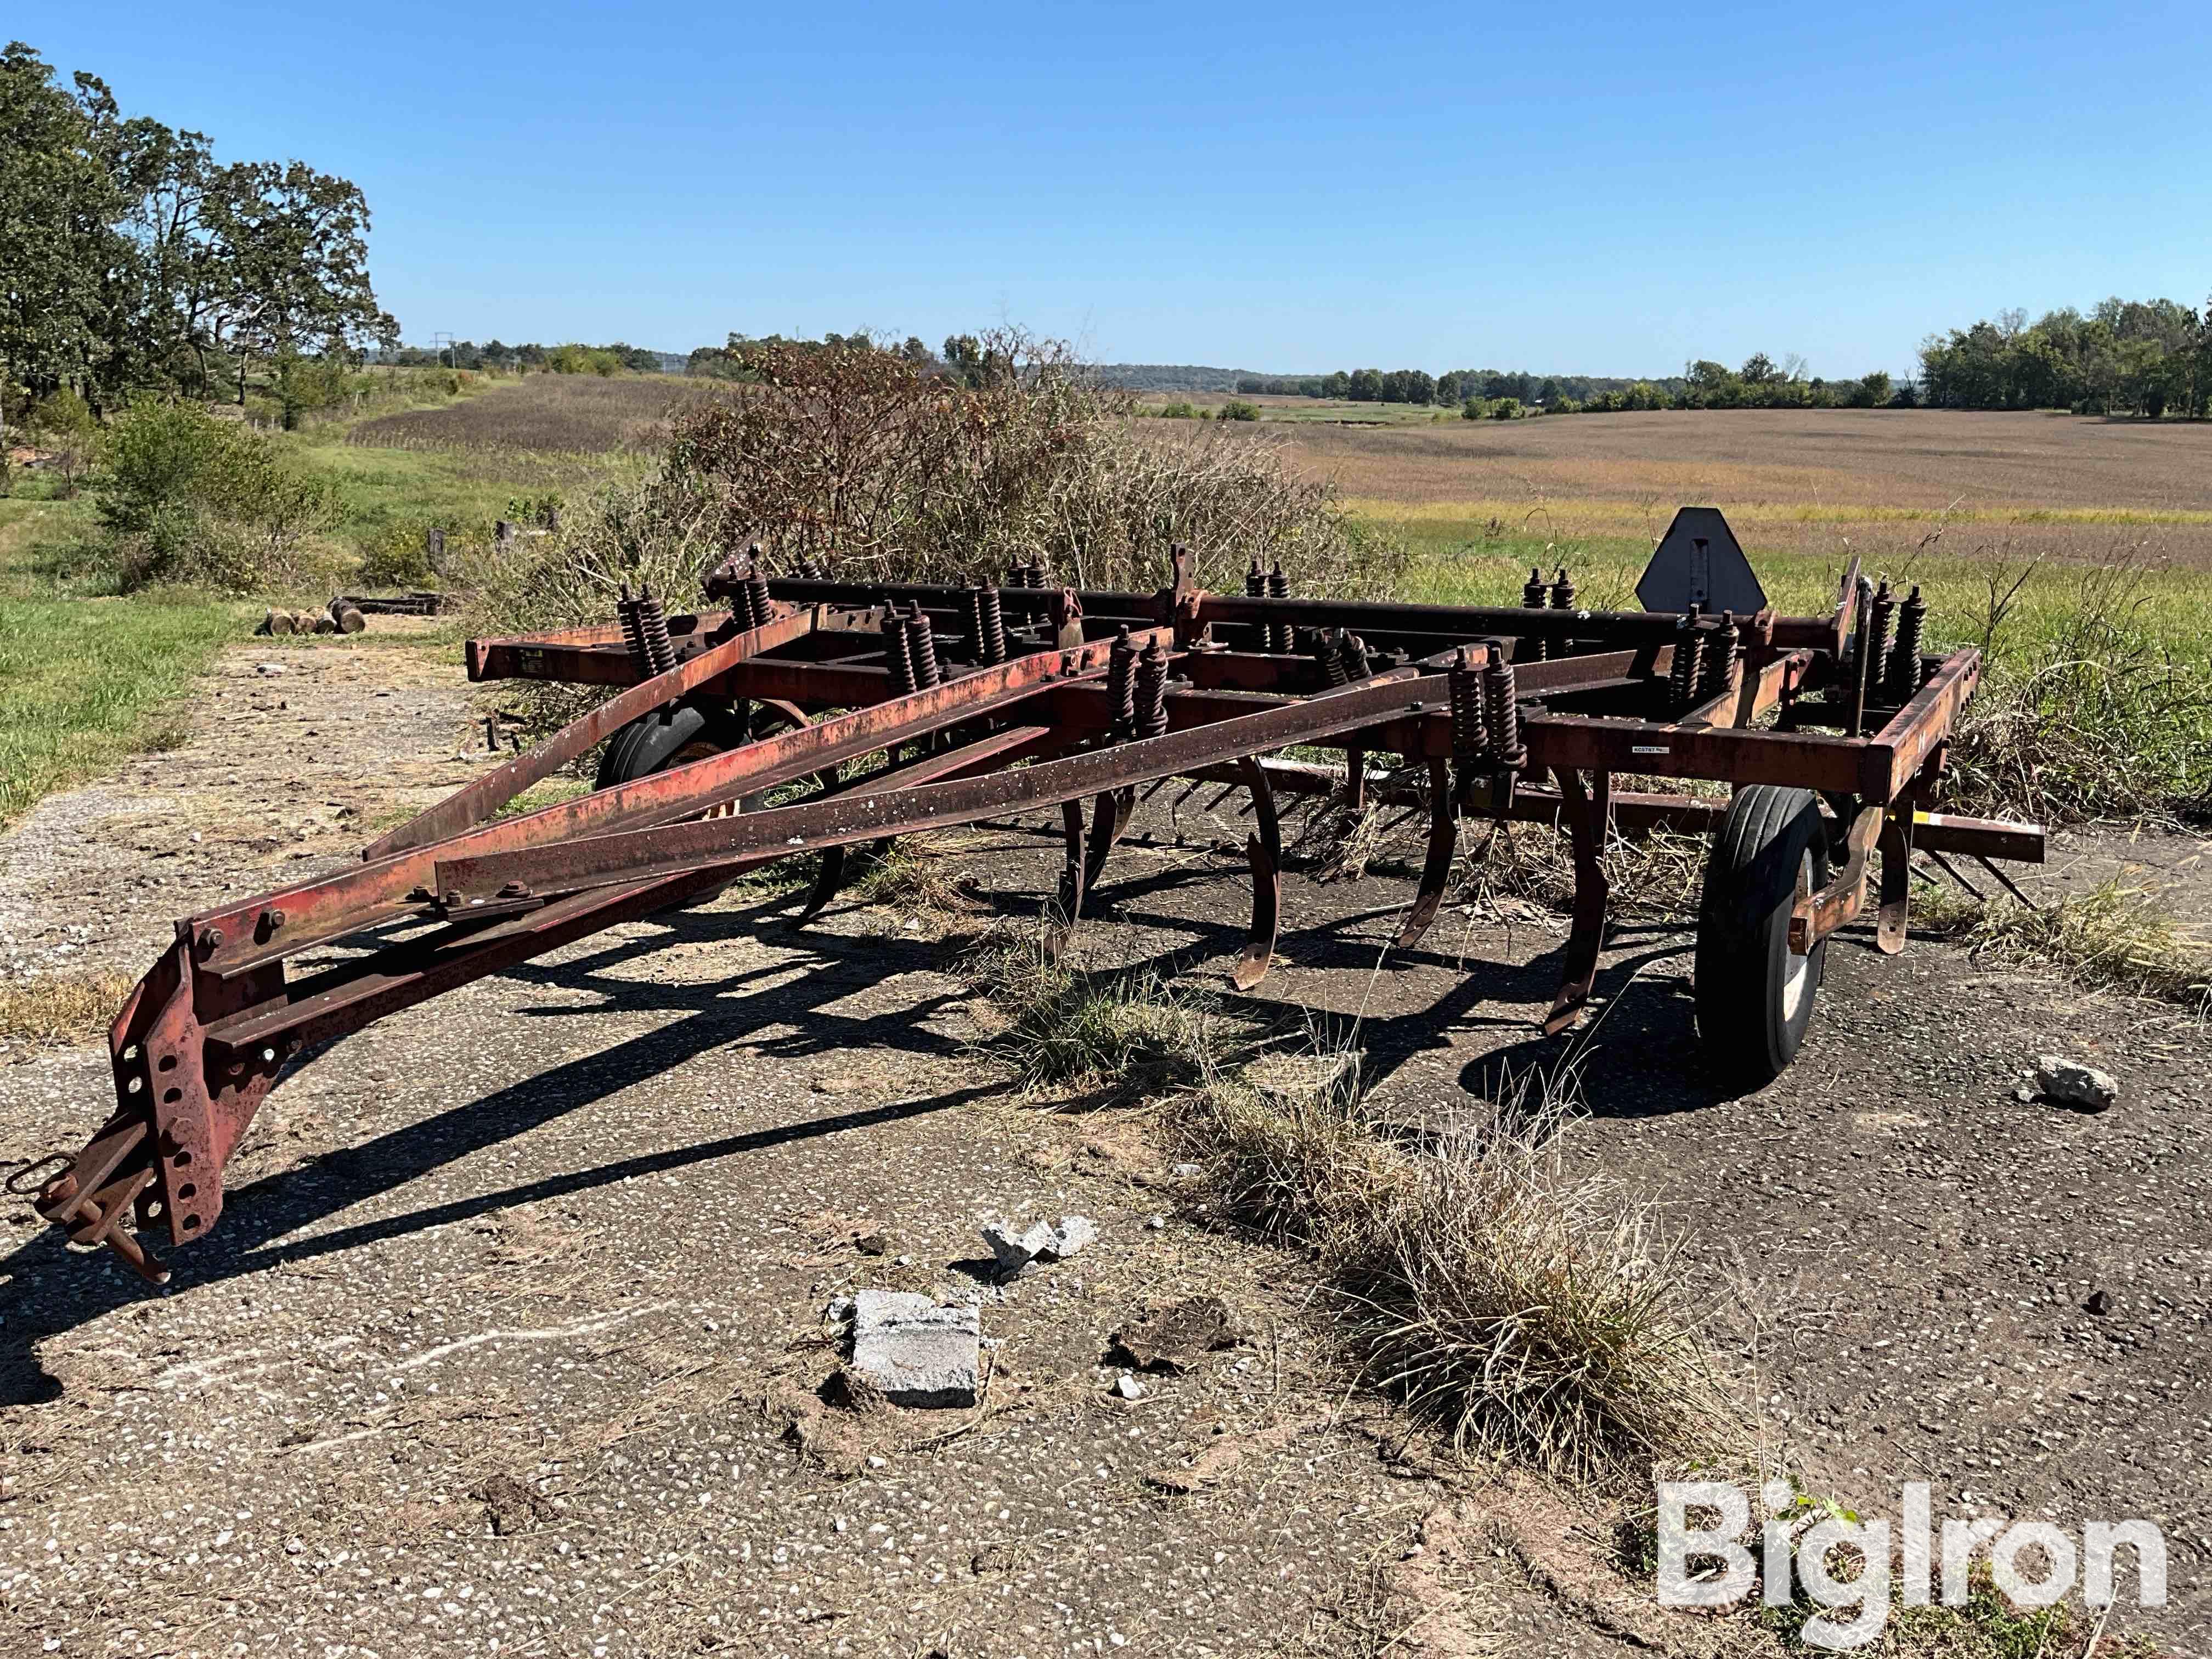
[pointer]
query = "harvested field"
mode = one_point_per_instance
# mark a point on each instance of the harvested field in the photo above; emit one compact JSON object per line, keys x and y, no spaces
{"x":2070,"y":487}
{"x":557,"y":413}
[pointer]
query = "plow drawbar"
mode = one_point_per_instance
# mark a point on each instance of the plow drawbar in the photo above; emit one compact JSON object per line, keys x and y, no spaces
{"x":814,"y":714}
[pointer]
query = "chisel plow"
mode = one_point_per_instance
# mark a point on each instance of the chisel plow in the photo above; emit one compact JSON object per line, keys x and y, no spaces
{"x":814,"y":714}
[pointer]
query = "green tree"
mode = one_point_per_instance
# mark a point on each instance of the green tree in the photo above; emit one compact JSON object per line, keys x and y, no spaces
{"x":58,"y":203}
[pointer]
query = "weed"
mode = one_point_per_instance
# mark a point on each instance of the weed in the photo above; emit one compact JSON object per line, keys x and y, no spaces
{"x":59,"y":1007}
{"x":2115,"y":936}
{"x":1063,"y":1026}
{"x":1531,"y":1312}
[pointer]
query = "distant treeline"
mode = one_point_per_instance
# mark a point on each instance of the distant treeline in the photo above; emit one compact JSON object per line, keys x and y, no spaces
{"x":2139,"y":356}
{"x":571,"y":358}
{"x":1761,"y":383}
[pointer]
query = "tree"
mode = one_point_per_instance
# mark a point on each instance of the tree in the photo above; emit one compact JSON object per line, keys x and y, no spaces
{"x":1366,"y":385}
{"x":58,"y":203}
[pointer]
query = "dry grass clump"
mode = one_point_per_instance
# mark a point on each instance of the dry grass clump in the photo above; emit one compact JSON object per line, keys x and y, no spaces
{"x":1065,"y":1027}
{"x":2092,"y":713}
{"x":2115,"y":936}
{"x":1534,"y":1314}
{"x":60,"y":1007}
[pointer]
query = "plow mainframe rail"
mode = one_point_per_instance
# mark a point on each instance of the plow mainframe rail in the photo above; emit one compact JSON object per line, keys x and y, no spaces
{"x":909,"y":706}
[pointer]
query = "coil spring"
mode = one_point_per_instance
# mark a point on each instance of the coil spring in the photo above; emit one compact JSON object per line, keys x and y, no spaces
{"x":1464,"y":683}
{"x":759,"y":608}
{"x":971,"y":612}
{"x":898,"y":653}
{"x":1501,"y":711}
{"x":994,"y":626}
{"x":633,"y":635}
{"x":1685,"y":671}
{"x":1723,"y":649}
{"x":1152,"y":689}
{"x":1255,"y":587}
{"x":1884,"y":614}
{"x":1904,"y":655}
{"x":921,"y":644}
{"x":653,"y":624}
{"x":1563,"y":590}
{"x":1122,"y":683}
{"x":1352,"y":652}
{"x":1535,"y":594}
{"x":1279,"y":588}
{"x":1322,"y":649}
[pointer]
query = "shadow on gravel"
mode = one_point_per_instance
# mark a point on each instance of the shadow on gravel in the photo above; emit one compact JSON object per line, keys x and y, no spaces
{"x":1641,"y":1064}
{"x":58,"y":1294}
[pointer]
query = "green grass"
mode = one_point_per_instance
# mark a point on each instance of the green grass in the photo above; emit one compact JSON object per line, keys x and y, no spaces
{"x":462,"y":491}
{"x":83,"y":683}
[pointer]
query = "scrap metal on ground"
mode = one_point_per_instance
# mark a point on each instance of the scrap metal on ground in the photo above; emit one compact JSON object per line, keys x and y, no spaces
{"x":816,"y":714}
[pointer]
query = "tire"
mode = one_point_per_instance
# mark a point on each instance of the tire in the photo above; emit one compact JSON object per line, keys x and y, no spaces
{"x":689,"y":731}
{"x":675,"y":736}
{"x":1754,"y":996}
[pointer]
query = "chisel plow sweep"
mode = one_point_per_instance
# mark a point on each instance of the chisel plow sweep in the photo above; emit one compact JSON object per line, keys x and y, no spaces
{"x":888,"y":710}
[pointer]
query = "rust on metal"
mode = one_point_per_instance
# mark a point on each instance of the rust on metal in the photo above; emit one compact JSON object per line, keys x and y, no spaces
{"x":909,"y":706}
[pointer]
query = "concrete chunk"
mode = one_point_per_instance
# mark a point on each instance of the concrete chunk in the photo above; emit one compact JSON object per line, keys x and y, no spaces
{"x":1015,"y":1246}
{"x":917,"y":1352}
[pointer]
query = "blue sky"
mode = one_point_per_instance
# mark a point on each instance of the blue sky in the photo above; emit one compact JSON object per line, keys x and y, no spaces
{"x":1609,"y":189}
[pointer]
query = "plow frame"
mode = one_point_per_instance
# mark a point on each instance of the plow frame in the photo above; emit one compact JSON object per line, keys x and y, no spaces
{"x":913,"y":706}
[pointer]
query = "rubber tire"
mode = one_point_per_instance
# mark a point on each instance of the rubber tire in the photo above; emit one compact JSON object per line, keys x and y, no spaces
{"x":651,"y":743}
{"x":1748,"y":1035}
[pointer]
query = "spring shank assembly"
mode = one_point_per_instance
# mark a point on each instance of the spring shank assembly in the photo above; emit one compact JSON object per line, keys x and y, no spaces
{"x":908,"y":706}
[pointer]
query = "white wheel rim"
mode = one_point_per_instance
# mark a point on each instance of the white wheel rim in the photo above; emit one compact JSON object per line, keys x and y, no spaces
{"x":1797,"y":976}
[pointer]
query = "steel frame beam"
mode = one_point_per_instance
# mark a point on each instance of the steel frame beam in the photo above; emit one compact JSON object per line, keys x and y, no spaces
{"x":463,"y":893}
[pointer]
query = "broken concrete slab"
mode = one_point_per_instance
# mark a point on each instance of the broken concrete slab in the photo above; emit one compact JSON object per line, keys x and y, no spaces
{"x":1014,"y":1245}
{"x":918,"y":1352}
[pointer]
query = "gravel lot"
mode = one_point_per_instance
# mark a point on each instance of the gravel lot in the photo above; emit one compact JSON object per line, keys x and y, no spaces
{"x":512,"y":1332}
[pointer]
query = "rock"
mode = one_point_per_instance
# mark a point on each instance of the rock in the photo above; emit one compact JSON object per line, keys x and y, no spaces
{"x":268,"y":668}
{"x":917,"y":1352}
{"x":2100,"y":1302}
{"x":1189,"y":1172}
{"x":1176,"y":1337}
{"x":2023,"y":1094}
{"x":1127,"y":1386}
{"x":2076,"y":1084}
{"x":1040,"y":1241}
{"x":871,"y":1243}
